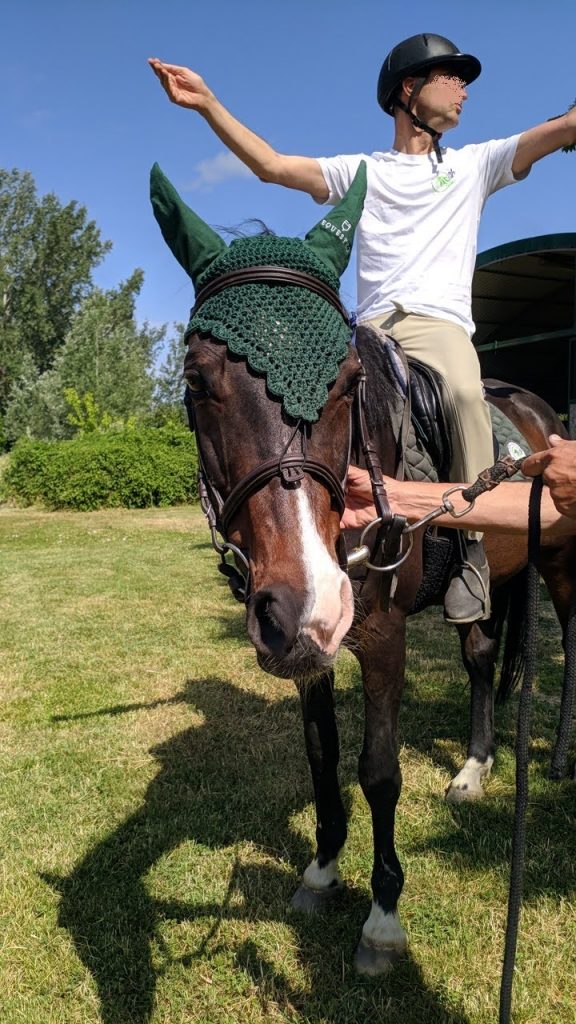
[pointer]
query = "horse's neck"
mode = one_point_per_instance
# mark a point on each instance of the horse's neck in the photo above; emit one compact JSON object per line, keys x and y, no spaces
{"x":383,"y":403}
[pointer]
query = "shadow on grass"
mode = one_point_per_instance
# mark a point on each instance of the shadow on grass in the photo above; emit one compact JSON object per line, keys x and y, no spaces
{"x":238,"y":777}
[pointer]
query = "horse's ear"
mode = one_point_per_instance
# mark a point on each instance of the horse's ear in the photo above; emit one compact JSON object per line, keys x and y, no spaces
{"x":331,"y":239}
{"x":194,"y":244}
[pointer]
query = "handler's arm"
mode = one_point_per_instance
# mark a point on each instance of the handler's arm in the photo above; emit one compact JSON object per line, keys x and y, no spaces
{"x":558,"y":468}
{"x":543,"y":139}
{"x":505,"y":509}
{"x":187,"y":89}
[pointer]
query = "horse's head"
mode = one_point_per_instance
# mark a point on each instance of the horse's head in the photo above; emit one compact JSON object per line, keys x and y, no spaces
{"x":271,"y":379}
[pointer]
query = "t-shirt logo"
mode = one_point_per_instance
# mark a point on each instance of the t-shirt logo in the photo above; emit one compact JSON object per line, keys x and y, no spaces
{"x":443,"y":181}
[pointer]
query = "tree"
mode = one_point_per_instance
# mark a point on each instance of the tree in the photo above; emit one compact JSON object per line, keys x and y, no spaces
{"x":169,"y":383}
{"x":47,"y":254}
{"x":104,"y":355}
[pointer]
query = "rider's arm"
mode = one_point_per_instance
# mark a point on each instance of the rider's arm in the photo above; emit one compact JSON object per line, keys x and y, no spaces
{"x":187,"y":89}
{"x":544,"y":139}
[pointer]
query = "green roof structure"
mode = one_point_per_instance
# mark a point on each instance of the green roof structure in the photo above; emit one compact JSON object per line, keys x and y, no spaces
{"x":524,"y":308}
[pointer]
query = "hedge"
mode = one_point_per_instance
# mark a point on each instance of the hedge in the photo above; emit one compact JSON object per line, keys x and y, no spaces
{"x":131,"y":469}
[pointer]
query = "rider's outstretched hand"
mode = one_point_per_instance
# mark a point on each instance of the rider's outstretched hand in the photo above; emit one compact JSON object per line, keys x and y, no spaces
{"x":182,"y":85}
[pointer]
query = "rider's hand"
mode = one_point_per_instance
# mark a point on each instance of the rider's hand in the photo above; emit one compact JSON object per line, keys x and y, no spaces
{"x":558,"y":468}
{"x":182,"y":85}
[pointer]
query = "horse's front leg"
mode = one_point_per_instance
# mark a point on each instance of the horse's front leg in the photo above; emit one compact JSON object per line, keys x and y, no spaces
{"x":321,"y":880}
{"x":383,"y":939}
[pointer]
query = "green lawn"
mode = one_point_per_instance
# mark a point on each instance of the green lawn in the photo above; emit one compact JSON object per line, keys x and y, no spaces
{"x":155,"y":808}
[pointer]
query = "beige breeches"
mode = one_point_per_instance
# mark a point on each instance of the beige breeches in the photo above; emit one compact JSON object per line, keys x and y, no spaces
{"x":447,"y":348}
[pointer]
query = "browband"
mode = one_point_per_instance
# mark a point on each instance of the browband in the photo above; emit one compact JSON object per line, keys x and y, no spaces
{"x":270,"y":275}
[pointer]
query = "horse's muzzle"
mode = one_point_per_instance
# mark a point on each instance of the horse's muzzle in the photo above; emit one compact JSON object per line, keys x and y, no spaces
{"x":274,"y":622}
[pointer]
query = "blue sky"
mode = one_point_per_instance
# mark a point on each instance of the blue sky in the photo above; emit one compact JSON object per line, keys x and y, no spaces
{"x":83,"y":112}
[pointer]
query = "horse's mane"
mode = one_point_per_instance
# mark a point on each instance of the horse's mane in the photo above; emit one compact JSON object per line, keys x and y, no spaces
{"x":251,"y":228}
{"x":381,"y":391}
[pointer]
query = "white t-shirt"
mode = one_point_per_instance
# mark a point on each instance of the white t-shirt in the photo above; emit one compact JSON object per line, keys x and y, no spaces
{"x":417,"y":238}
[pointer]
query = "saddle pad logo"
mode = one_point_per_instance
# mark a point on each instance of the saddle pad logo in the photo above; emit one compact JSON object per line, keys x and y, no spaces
{"x":443,"y":181}
{"x":515,"y":451}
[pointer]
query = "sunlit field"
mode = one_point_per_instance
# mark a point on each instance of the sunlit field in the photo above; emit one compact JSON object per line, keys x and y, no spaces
{"x":156,"y":807}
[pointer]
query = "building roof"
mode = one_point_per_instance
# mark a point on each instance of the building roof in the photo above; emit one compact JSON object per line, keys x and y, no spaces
{"x":524,"y":289}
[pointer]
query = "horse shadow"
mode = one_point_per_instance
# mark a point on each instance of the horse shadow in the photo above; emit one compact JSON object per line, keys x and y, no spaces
{"x":214,"y":788}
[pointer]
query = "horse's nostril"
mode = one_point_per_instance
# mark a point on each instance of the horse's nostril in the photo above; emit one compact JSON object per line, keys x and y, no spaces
{"x":273,"y":620}
{"x":271,"y":632}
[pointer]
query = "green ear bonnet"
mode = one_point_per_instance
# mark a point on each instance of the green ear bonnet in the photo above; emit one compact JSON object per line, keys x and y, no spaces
{"x":291,"y":335}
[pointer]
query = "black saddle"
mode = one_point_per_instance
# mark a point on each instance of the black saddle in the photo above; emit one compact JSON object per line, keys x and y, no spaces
{"x":419,"y":384}
{"x":427,"y":415}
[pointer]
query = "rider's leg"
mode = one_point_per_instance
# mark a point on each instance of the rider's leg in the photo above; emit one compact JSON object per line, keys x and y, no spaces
{"x":446,"y":347}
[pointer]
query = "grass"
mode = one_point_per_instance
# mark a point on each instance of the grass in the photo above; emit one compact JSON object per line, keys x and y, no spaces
{"x":155,"y":809}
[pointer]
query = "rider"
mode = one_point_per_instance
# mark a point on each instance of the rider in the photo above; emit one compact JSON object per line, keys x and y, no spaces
{"x":416,"y":242}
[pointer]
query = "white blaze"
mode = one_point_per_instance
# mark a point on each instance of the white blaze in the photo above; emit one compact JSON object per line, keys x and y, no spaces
{"x":330,"y":589}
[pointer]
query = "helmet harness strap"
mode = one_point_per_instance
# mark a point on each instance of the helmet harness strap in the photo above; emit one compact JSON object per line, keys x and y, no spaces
{"x":407,"y":108}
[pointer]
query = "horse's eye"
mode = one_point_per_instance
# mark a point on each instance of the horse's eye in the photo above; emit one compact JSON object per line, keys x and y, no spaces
{"x":196,"y":383}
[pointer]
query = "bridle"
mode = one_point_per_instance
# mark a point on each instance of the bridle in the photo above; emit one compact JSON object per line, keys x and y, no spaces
{"x":289,"y":467}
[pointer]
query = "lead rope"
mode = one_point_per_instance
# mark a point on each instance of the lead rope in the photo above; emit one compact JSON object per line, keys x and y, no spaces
{"x":559,"y":764}
{"x":522,"y":745}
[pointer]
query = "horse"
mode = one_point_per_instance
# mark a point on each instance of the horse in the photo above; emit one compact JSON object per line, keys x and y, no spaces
{"x":273,"y":462}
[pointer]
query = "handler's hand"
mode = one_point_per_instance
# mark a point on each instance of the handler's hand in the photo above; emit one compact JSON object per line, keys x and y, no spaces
{"x":558,"y":468}
{"x":360,"y":508}
{"x":182,"y":85}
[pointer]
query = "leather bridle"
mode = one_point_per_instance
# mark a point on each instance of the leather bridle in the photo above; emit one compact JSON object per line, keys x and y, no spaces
{"x":290,"y":468}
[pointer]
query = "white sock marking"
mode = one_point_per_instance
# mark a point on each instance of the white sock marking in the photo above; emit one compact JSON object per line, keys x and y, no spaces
{"x":471,"y":776}
{"x":318,"y":878}
{"x":384,"y":931}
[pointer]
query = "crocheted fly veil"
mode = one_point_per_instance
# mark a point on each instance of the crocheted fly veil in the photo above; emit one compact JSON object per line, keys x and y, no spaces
{"x":293,"y":336}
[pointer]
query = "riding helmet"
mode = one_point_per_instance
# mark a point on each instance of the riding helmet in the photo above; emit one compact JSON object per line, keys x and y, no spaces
{"x":419,"y":54}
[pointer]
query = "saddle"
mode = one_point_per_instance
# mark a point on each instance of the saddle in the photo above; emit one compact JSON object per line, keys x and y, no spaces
{"x":424,"y":448}
{"x":421,"y":424}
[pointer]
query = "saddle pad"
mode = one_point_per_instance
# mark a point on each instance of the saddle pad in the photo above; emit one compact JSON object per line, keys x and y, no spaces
{"x":419,"y":466}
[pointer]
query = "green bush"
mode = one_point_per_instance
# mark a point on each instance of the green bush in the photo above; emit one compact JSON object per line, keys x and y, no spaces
{"x":131,"y":469}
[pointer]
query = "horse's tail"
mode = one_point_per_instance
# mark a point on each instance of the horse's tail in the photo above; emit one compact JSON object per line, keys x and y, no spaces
{"x":514,"y":656}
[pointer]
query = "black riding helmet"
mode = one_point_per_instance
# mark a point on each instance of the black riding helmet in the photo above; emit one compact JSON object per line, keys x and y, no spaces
{"x":417,"y":55}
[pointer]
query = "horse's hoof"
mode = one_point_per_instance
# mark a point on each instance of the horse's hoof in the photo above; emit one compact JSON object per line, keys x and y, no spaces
{"x":313,"y":901}
{"x":463,"y":794}
{"x":375,"y":962}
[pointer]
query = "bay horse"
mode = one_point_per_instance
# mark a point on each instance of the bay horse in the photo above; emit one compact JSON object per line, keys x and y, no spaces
{"x":272,"y":473}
